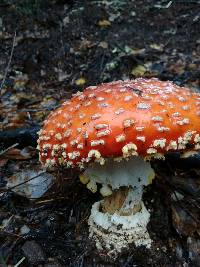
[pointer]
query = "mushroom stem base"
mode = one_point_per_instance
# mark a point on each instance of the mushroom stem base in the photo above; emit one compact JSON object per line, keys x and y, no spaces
{"x":113,"y":232}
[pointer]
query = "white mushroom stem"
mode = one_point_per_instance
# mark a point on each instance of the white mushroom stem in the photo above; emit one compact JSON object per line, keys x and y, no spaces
{"x":121,"y":217}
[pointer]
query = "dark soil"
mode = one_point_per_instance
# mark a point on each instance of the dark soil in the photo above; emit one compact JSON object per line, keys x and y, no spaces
{"x":51,"y":49}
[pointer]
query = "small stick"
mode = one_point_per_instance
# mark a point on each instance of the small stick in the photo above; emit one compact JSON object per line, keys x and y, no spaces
{"x":19,"y":262}
{"x":8,"y":148}
{"x":9,"y":62}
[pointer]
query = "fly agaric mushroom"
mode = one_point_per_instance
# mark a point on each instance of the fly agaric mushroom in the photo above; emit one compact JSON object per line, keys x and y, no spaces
{"x":112,"y":131}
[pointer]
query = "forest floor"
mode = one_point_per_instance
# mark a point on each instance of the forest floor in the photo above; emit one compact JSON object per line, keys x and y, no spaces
{"x":52,"y":49}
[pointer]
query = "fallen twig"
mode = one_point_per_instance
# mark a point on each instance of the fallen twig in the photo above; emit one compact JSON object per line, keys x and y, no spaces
{"x":19,"y":262}
{"x":9,"y":62}
{"x":5,"y":150}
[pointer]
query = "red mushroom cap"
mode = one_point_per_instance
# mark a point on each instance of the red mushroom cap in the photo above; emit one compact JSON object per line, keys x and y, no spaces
{"x":145,"y":117}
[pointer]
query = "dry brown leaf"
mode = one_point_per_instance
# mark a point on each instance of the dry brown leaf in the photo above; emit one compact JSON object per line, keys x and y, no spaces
{"x":104,"y":23}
